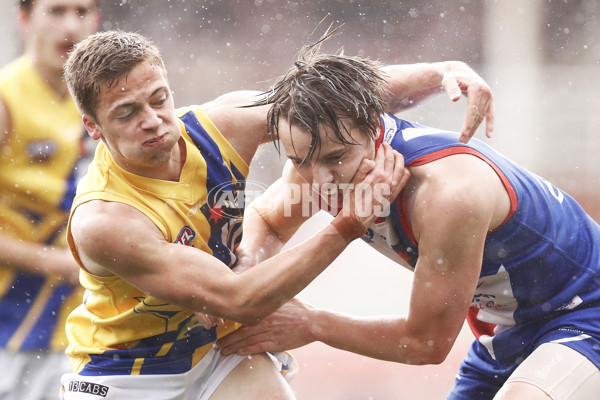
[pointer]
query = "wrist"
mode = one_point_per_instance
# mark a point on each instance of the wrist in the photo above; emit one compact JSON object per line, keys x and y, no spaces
{"x":349,"y":227}
{"x":440,"y":69}
{"x":317,"y":326}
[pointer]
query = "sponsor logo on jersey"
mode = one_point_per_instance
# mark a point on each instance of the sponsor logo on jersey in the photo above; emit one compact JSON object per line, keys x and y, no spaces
{"x":185,"y":236}
{"x":390,"y":128}
{"x":88,"y":387}
{"x":42,"y":150}
{"x":228,"y":200}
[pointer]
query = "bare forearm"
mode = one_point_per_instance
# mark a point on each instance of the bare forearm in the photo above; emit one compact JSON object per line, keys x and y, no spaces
{"x":383,"y":337}
{"x":35,"y":258}
{"x":413,"y":83}
{"x":259,"y":243}
{"x":289,"y":272}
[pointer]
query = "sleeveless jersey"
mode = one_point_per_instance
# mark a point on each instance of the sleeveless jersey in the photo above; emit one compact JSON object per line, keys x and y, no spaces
{"x":541,"y":263}
{"x":38,"y":169}
{"x":121,"y":330}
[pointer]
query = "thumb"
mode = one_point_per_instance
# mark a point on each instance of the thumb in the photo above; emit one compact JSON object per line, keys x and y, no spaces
{"x":450,"y":85}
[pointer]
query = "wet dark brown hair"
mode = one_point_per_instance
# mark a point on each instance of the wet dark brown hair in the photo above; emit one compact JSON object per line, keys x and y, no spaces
{"x":27,"y":4}
{"x":327,"y":90}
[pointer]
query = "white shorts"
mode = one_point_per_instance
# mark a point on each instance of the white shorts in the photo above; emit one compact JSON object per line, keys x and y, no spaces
{"x":31,"y":375}
{"x":199,"y":383}
{"x":561,"y":372}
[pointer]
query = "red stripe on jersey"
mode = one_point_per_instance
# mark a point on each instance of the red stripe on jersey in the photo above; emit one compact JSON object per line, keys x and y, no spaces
{"x":478,"y":327}
{"x":436,"y":155}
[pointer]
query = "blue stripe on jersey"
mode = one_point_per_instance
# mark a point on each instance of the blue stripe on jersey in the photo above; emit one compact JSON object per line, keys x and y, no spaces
{"x":15,"y":305}
{"x":71,"y":181}
{"x":67,"y":200}
{"x":177,"y":360}
{"x":32,"y":216}
{"x":216,"y":170}
{"x":236,"y":172}
{"x":219,"y":179}
{"x":42,"y":331}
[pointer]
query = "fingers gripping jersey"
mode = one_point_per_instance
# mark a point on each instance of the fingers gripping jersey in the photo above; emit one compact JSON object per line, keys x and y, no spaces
{"x":542,"y":262}
{"x":121,"y":330}
{"x":38,"y":168}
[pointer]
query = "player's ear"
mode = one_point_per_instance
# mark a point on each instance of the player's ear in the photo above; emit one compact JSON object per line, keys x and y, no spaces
{"x":23,"y":18}
{"x":93,"y":129}
{"x":378,"y":131}
{"x":97,"y":18}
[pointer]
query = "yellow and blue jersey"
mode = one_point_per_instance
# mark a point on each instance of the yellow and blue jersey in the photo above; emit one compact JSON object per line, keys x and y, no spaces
{"x":38,"y":169}
{"x":121,"y":330}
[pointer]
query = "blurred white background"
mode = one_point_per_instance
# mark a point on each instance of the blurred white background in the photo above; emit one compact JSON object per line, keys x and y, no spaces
{"x":541,"y":58}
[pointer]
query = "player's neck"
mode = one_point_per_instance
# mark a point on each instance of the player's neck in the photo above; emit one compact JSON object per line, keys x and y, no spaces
{"x":170,"y":170}
{"x":53,"y":78}
{"x":177,"y":161}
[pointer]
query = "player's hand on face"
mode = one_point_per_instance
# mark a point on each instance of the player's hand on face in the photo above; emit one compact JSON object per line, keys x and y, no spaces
{"x":375,"y":186}
{"x":460,"y":79}
{"x":287,"y":328}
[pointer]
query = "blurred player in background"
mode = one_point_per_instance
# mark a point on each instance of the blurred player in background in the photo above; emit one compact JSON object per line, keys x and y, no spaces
{"x":156,"y":222}
{"x":487,"y":240}
{"x":41,"y":141}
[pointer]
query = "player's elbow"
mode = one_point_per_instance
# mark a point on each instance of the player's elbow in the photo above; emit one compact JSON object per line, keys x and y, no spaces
{"x":250,"y":315}
{"x":426,"y":357}
{"x":424,"y":352}
{"x":248,"y":309}
{"x":434,"y":352}
{"x":434,"y":358}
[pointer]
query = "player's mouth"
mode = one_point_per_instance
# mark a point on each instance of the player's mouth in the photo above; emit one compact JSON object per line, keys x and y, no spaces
{"x":156,"y":140}
{"x":65,"y":48}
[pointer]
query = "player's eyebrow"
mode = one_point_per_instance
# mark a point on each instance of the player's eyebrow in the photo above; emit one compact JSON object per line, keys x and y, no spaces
{"x":129,"y":104}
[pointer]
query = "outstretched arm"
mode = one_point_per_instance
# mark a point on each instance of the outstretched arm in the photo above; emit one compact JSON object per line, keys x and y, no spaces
{"x":412,"y":83}
{"x":39,"y":259}
{"x":271,"y":219}
{"x":196,"y":280}
{"x":450,"y":224}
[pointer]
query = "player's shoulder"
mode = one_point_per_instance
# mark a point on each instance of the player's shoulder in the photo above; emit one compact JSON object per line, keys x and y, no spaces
{"x":239,"y":98}
{"x":240,"y":121}
{"x":99,"y":216}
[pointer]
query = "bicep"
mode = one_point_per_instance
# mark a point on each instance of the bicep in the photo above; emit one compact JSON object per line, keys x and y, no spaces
{"x":138,"y":253}
{"x":452,"y":228}
{"x":238,"y":98}
{"x":244,"y":126}
{"x":105,"y":250}
{"x":235,"y":116}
